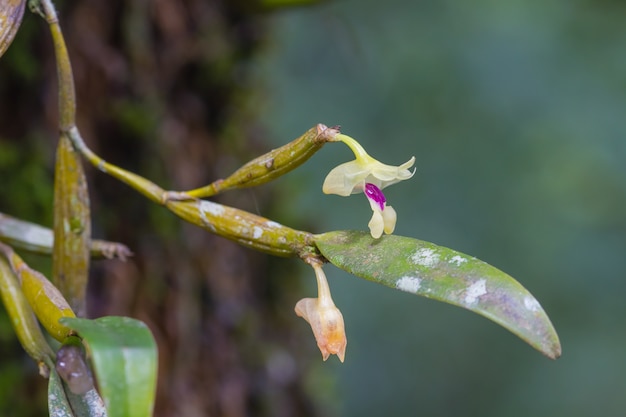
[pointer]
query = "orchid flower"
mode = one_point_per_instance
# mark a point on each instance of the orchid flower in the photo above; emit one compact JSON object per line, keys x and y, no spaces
{"x":325,"y":319}
{"x":350,"y":177}
{"x":369,"y":176}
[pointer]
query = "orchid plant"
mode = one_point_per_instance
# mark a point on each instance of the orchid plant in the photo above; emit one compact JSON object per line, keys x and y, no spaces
{"x":402,"y":263}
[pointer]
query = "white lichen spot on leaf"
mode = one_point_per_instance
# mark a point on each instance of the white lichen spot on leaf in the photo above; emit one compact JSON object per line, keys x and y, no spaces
{"x":457,"y":260}
{"x":409,"y":284}
{"x":531,"y":304}
{"x":475,"y":290}
{"x":425,"y":257}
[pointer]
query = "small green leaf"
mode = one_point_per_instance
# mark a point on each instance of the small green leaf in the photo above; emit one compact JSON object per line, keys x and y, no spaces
{"x":88,"y":404}
{"x":446,"y":275}
{"x":124,"y":356}
{"x":58,"y":406}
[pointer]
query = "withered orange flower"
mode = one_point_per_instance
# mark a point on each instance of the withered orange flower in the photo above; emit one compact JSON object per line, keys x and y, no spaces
{"x":325,"y":319}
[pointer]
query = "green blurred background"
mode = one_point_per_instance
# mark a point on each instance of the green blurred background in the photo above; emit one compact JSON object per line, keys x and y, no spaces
{"x":515,"y":111}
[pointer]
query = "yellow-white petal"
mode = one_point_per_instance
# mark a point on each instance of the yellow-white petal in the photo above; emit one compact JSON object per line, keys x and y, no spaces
{"x":389,"y":219}
{"x":349,"y":177}
{"x":382,"y":220}
{"x":376,"y":224}
{"x":389,"y":174}
{"x":343,"y":179}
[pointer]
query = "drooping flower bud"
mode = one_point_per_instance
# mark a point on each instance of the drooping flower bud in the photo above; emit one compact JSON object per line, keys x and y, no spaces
{"x":325,"y":319}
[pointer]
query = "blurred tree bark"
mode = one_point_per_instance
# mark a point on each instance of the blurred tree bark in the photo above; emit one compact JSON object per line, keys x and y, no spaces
{"x":163,"y":89}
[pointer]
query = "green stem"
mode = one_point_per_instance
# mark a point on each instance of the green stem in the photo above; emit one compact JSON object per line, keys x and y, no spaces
{"x":22,"y":317}
{"x":273,"y":164}
{"x":72,"y":227}
{"x":34,"y":238}
{"x":67,"y":95}
{"x":355,"y":146}
{"x":245,"y":228}
{"x":149,"y":189}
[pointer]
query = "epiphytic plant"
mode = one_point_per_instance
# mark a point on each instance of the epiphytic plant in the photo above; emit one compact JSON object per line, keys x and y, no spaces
{"x":122,"y":351}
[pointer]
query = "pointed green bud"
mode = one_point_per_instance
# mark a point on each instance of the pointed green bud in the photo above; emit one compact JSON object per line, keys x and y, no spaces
{"x":22,"y":317}
{"x":44,"y":298}
{"x":273,"y":164}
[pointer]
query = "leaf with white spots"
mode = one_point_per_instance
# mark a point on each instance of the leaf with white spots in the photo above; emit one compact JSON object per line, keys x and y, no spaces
{"x":443,"y":274}
{"x":58,"y":405}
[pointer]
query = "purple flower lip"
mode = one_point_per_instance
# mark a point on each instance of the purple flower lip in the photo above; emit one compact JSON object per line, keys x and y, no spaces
{"x":375,"y":194}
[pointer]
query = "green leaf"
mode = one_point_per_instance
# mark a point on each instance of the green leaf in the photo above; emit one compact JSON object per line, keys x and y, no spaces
{"x":124,"y":356}
{"x":88,"y":404}
{"x":446,"y":275}
{"x":58,"y":405}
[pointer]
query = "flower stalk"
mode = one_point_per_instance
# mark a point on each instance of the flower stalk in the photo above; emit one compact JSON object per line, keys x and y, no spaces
{"x":325,"y":319}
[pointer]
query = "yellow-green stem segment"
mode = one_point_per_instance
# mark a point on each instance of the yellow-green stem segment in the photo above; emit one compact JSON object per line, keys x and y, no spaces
{"x":22,"y":318}
{"x":72,"y":221}
{"x":273,"y":164}
{"x":245,"y":228}
{"x":44,"y":298}
{"x":35,"y":238}
{"x":72,"y":227}
{"x":67,"y":96}
{"x":240,"y":226}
